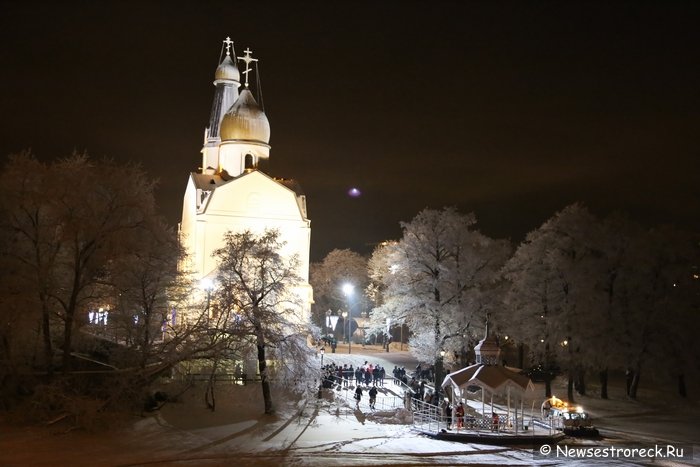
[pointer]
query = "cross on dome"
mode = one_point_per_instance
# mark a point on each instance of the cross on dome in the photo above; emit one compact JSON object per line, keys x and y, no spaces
{"x":228,"y":43}
{"x":247,"y":58}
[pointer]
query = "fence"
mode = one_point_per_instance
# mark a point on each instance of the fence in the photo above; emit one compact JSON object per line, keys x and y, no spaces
{"x":429,"y":418}
{"x":344,"y":394}
{"x":236,"y":378}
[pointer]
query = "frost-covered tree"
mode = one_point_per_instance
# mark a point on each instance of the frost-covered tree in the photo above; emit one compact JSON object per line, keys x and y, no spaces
{"x":437,"y":279}
{"x":659,"y":323}
{"x":148,"y":290}
{"x":256,"y":300}
{"x":327,"y":278}
{"x":67,"y":220}
{"x":612,"y":242}
{"x":550,"y":299}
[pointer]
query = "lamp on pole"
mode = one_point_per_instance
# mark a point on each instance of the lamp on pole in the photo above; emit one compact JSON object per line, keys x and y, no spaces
{"x":348,"y":289}
{"x":346,"y":324}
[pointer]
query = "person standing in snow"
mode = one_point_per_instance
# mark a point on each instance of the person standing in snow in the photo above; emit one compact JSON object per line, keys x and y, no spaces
{"x":459,"y":415}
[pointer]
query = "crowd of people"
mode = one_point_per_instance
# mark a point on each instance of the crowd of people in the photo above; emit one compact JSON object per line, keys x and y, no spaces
{"x":367,"y":374}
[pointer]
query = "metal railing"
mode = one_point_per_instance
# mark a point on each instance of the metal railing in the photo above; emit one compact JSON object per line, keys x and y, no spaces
{"x":343,"y":390}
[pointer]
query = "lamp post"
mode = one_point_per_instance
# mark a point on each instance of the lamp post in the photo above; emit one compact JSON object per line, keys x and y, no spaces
{"x":332,"y":323}
{"x":348,"y":289}
{"x":346,"y":323}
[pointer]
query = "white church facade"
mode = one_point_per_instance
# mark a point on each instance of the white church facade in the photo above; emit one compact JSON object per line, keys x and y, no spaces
{"x":232,"y":191}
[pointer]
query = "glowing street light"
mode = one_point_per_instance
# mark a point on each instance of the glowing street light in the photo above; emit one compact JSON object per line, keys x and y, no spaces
{"x":348,"y":289}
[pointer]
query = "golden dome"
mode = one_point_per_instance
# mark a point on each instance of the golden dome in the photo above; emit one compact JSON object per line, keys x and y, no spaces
{"x":245,"y":121}
{"x":227,"y":70}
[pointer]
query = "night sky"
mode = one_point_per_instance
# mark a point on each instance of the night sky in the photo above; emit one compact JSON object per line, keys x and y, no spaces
{"x":509,"y":109}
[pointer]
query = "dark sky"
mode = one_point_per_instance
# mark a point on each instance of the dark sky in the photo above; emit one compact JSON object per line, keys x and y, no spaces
{"x":509,"y":109}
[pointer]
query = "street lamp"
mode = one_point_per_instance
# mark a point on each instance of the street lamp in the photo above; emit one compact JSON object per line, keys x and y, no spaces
{"x":346,"y":323}
{"x":348,"y":289}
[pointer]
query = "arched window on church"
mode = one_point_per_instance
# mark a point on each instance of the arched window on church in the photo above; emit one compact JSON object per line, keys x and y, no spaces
{"x":249,"y":165}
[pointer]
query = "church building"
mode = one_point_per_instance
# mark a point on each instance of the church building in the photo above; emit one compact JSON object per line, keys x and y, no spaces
{"x":233,"y":190}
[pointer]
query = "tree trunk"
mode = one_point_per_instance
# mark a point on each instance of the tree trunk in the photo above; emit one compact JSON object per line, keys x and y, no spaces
{"x":603,"y":383}
{"x":46,"y":335}
{"x":629,"y":376}
{"x":209,"y":397}
{"x":521,"y":355}
{"x":634,"y":385}
{"x":570,"y":387}
{"x":67,"y":342}
{"x":681,"y":386}
{"x":70,"y":319}
{"x":145,"y":342}
{"x":262,"y":367}
{"x":547,"y":387}
{"x":581,"y":382}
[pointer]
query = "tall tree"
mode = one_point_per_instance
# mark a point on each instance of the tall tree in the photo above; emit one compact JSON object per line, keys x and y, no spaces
{"x":148,"y":290}
{"x":436,"y":279}
{"x":663,"y":302}
{"x":338,"y":268}
{"x":255,"y":290}
{"x":69,"y":219}
{"x":551,"y":287}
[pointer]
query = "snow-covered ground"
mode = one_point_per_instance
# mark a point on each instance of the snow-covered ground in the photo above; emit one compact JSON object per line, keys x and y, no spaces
{"x":328,"y":431}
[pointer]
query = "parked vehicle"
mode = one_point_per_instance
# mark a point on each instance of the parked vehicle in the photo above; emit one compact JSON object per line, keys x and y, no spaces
{"x":574,"y":421}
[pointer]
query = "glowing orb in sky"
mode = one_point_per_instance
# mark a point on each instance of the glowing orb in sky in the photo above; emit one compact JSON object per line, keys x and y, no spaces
{"x":354,"y":192}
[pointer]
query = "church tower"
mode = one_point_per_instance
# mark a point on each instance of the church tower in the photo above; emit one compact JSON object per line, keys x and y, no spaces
{"x":232,"y":191}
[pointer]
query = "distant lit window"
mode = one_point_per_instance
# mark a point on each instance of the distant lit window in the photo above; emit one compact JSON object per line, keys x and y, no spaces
{"x":98,"y":317}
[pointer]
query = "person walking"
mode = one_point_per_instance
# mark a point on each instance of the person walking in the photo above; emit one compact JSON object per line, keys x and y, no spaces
{"x":358,"y":396}
{"x":372,"y":397}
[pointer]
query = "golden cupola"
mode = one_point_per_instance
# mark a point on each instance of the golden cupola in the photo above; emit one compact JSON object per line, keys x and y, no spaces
{"x":245,"y":121}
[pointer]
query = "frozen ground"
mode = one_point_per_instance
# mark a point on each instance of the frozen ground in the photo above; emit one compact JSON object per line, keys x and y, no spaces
{"x":327,"y":432}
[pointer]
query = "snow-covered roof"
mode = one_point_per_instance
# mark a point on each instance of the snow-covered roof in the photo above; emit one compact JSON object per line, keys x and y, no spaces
{"x":493,"y":378}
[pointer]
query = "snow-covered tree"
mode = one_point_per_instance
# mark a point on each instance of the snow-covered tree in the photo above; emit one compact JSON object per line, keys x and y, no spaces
{"x":328,"y":277}
{"x":437,"y":279}
{"x":148,"y":290}
{"x":550,"y":299}
{"x":68,"y":220}
{"x":255,"y":298}
{"x":661,"y":318}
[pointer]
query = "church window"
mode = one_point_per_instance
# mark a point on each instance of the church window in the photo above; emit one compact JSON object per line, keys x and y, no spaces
{"x":249,"y":161}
